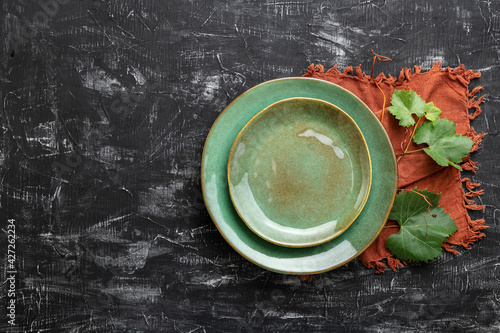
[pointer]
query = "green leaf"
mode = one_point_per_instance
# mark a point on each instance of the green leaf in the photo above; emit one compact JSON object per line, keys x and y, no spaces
{"x":431,"y":112}
{"x":424,"y":226}
{"x":445,"y":147}
{"x":405,"y":104}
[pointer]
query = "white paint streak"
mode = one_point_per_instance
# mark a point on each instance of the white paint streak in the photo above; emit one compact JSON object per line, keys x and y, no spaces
{"x":209,"y":86}
{"x":158,"y":200}
{"x":106,"y":223}
{"x":133,"y":259}
{"x":111,"y":155}
{"x":124,"y":287}
{"x":45,"y":134}
{"x":98,"y":80}
{"x":139,"y":78}
{"x":435,"y":55}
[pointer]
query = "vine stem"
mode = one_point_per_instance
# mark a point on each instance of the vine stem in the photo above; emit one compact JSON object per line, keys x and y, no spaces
{"x":412,"y":135}
{"x":379,"y":58}
{"x":414,"y":151}
{"x":429,"y":205}
{"x":426,"y":198}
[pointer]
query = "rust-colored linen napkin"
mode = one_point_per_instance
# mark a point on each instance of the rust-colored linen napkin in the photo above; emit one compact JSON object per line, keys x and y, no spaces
{"x":449,"y":90}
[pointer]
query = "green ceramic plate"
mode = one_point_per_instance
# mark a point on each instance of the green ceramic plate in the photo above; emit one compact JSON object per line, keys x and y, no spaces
{"x":299,"y":172}
{"x":307,"y":260}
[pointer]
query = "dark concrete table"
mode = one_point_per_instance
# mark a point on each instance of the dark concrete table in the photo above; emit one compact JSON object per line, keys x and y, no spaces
{"x":105,"y":109}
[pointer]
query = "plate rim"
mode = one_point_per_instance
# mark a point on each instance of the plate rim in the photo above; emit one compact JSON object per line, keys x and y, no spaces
{"x":352,"y":219}
{"x":203,"y":162}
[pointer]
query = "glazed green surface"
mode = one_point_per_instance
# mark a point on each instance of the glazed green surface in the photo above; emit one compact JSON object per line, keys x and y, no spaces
{"x":309,"y":259}
{"x":299,"y":172}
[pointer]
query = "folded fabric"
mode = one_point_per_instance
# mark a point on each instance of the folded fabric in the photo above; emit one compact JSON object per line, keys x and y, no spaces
{"x":448,"y":89}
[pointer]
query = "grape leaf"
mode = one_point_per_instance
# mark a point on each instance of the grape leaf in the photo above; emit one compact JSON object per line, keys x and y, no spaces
{"x":404,"y":105}
{"x":431,"y":112}
{"x":424,"y":226}
{"x":445,"y":147}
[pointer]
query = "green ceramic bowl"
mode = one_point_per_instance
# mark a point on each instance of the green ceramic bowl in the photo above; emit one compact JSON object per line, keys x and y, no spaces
{"x":304,"y":260}
{"x":299,"y":172}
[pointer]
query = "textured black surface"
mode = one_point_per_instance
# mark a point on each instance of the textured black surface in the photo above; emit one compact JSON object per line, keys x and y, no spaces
{"x":105,"y":106}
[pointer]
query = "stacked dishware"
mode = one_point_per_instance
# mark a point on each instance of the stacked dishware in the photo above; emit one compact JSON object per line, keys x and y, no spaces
{"x":296,"y":174}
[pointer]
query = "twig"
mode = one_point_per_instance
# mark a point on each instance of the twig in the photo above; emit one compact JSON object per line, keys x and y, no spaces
{"x":412,"y":135}
{"x":379,"y":58}
{"x":414,"y":151}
